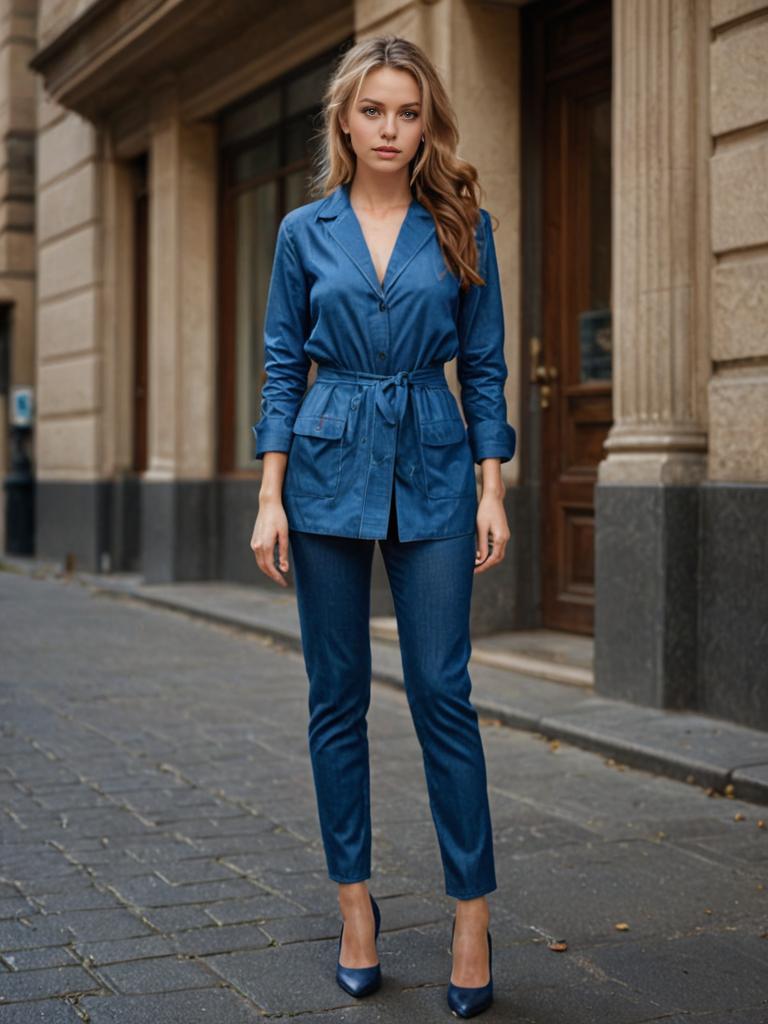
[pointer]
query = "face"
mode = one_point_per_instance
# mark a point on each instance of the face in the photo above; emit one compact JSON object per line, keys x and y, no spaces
{"x":387,"y":113}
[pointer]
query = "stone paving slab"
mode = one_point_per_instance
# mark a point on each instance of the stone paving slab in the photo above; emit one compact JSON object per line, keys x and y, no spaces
{"x":160,"y":855}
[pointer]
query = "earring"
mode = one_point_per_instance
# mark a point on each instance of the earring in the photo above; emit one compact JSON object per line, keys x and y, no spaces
{"x":422,"y":138}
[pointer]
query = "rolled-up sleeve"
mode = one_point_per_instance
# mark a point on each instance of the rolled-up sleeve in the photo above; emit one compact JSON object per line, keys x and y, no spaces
{"x":481,"y":367}
{"x":287,"y":365}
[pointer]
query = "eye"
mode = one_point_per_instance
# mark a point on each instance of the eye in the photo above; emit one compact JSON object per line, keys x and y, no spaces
{"x":411,"y":112}
{"x":366,"y":109}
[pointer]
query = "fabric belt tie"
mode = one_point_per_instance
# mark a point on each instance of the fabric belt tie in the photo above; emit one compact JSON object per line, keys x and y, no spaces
{"x":391,"y":390}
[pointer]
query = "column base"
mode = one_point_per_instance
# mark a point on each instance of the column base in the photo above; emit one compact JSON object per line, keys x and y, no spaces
{"x":646,"y":593}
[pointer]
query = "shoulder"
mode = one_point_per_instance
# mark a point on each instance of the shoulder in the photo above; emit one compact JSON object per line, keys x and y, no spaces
{"x":483,"y":227}
{"x":484,"y":224}
{"x":484,"y":234}
{"x":300,"y":218}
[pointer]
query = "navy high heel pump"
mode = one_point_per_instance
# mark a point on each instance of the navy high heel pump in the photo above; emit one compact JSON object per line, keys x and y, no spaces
{"x":465,"y":1001}
{"x":360,"y":981}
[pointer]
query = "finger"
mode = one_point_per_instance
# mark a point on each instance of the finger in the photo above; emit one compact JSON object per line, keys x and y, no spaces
{"x":283,"y":548}
{"x":481,"y":552}
{"x":498,"y":552}
{"x":265,"y":559}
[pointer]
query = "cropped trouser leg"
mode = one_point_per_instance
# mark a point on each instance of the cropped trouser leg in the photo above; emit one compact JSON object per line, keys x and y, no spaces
{"x":333,"y":592}
{"x":431,"y":584}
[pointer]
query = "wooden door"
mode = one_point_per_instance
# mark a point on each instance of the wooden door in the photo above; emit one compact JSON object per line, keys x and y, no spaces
{"x":570,"y":354}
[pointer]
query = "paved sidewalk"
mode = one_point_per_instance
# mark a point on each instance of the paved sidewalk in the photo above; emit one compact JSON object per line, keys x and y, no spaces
{"x":689,"y":746}
{"x":160,"y":859}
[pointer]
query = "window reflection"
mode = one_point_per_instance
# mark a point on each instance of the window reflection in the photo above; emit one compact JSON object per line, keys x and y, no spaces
{"x":594,"y":324}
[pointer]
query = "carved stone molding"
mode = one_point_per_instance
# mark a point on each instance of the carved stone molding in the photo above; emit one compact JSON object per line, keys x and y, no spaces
{"x":661,"y":248}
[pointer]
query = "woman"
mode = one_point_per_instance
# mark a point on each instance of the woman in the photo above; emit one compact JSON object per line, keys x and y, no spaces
{"x":387,"y":277}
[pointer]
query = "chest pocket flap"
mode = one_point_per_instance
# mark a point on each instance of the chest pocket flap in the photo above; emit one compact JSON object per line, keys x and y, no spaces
{"x":319,"y":426}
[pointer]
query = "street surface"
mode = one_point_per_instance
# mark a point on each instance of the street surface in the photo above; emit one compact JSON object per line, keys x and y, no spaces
{"x":160,"y":857}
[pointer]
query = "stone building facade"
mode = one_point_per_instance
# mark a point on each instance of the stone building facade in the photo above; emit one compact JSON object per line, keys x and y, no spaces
{"x":623,"y":147}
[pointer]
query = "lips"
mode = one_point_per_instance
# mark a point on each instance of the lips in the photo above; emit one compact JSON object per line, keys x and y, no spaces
{"x":386,"y":149}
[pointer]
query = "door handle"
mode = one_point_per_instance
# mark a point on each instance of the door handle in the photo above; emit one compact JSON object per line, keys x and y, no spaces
{"x":541,"y":374}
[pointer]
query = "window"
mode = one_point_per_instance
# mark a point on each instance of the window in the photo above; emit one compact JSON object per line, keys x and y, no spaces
{"x":267,"y":144}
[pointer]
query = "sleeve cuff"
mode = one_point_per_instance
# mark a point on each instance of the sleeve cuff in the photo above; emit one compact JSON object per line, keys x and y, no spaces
{"x":490,"y":439}
{"x":271,"y":438}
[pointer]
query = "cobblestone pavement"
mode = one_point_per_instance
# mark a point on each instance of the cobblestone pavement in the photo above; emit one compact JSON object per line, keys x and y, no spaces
{"x":161,"y":859}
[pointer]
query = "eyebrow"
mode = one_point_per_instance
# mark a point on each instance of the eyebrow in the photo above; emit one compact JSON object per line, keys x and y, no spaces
{"x":367,"y":99}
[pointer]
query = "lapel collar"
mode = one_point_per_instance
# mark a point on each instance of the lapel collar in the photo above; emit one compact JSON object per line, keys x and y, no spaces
{"x":345,"y":229}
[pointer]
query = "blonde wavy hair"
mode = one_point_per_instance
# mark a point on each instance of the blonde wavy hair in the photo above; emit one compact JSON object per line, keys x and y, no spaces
{"x":443,"y":183}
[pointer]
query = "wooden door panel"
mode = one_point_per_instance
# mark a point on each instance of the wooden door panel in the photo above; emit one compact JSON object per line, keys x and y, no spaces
{"x":573,"y":367}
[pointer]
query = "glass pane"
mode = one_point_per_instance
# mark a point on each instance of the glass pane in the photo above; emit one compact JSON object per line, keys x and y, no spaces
{"x":295,"y":190}
{"x":257,"y":161}
{"x":297,"y":135}
{"x":256,"y":218}
{"x":306,"y":91}
{"x":595,"y":322}
{"x":252,"y":118}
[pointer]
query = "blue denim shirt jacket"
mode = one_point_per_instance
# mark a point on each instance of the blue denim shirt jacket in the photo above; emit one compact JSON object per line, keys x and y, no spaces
{"x":380,"y":413}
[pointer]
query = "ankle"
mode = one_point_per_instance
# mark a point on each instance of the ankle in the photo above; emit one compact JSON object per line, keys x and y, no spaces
{"x":354,"y":897}
{"x":475,"y":911}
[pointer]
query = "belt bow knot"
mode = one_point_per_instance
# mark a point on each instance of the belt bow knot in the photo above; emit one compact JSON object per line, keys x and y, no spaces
{"x":391,"y":390}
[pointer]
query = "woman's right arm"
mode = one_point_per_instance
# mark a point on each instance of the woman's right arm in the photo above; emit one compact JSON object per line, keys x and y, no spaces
{"x":286,"y":326}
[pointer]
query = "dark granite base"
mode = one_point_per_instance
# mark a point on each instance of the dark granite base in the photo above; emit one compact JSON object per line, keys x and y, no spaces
{"x":733,"y":603}
{"x":681,"y":614}
{"x":193,"y":530}
{"x":646,"y":594}
{"x":681,"y":617}
{"x":73,"y":522}
{"x":180,"y":530}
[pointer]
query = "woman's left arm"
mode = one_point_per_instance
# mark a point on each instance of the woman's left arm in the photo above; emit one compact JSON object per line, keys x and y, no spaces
{"x":482,"y":373}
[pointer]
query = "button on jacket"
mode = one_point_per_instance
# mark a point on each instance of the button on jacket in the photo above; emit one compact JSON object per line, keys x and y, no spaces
{"x":380,"y":413}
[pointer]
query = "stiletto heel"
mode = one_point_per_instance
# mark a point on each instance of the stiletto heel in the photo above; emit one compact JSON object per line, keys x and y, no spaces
{"x":465,"y":1001}
{"x":360,"y":981}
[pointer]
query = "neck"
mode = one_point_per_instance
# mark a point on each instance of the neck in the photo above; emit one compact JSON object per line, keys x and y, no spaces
{"x":378,"y":193}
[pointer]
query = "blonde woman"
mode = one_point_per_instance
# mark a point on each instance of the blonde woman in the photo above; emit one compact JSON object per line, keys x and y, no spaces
{"x":384,"y":278}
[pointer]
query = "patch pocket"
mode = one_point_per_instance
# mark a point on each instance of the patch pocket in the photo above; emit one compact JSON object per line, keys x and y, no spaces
{"x":314,"y":460}
{"x":449,"y":470}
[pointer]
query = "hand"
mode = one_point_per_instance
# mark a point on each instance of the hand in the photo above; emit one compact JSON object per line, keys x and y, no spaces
{"x":270,"y":528}
{"x":492,"y":532}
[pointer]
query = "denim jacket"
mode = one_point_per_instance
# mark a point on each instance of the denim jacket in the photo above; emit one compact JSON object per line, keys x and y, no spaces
{"x":380,"y":413}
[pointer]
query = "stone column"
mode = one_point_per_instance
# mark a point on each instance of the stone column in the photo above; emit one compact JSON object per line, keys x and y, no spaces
{"x":177,"y":494}
{"x":647,"y":493}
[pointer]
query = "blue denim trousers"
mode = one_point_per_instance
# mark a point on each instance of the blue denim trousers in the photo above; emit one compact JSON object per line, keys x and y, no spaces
{"x":431,"y":583}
